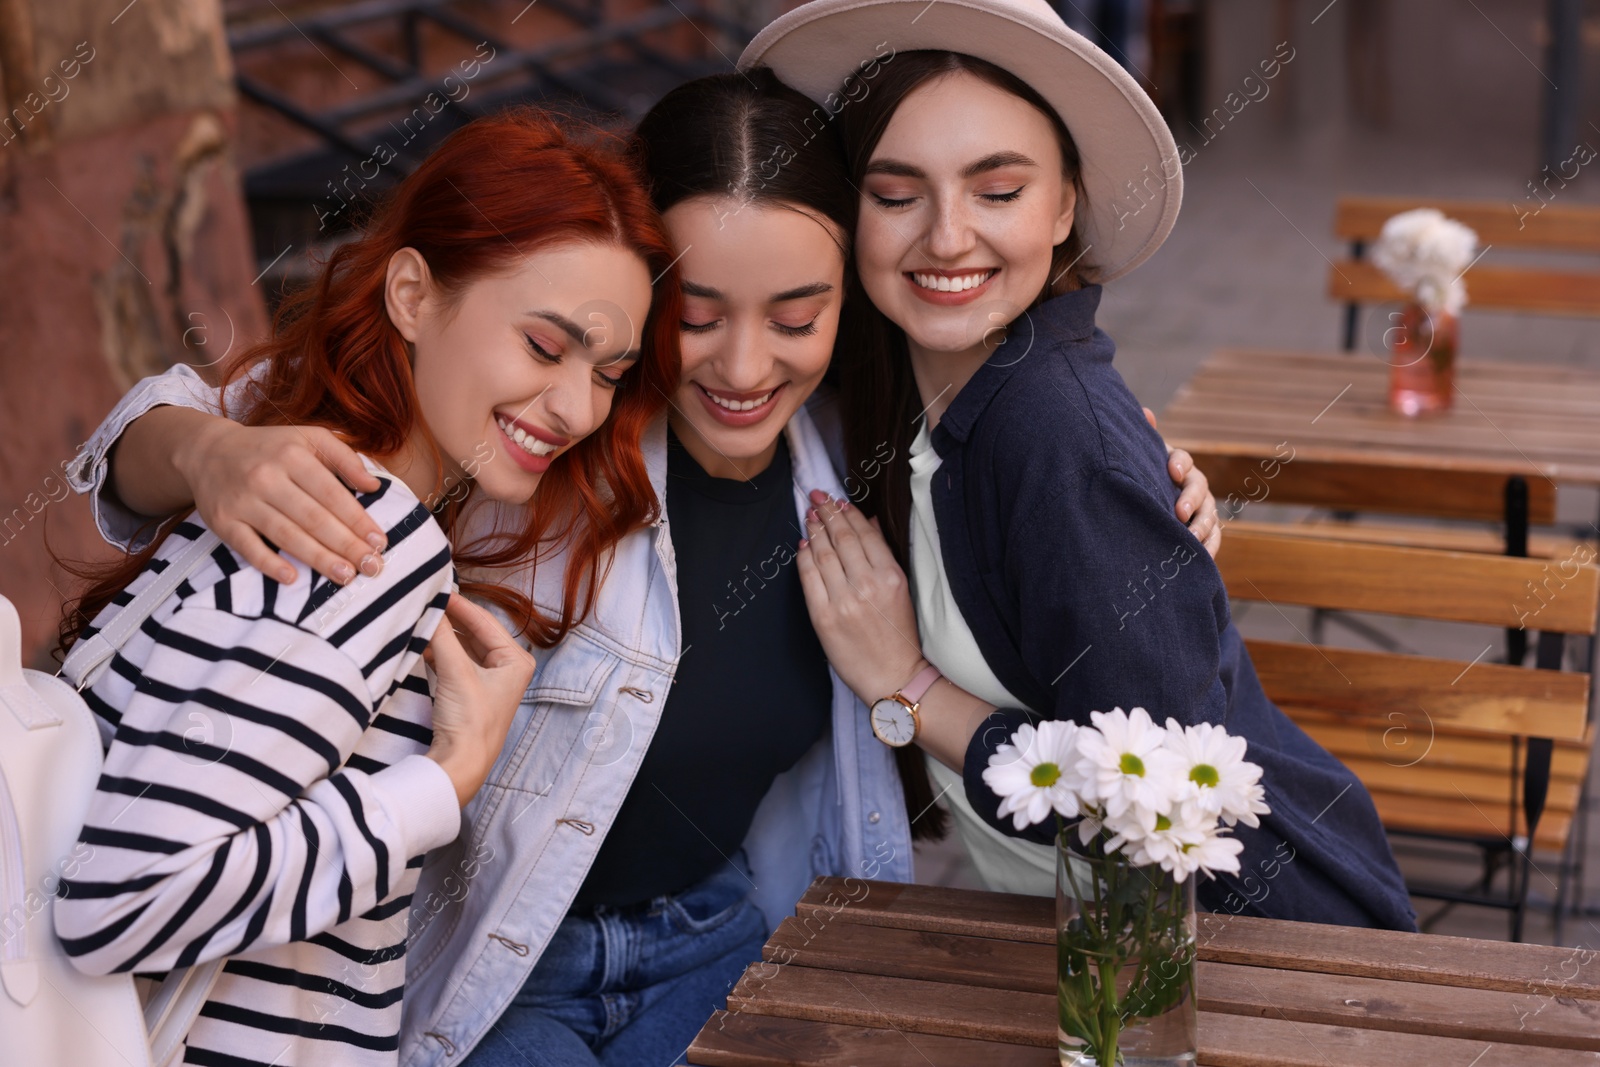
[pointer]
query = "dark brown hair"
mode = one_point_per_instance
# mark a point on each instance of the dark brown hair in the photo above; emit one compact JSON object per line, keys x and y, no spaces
{"x":750,"y":137}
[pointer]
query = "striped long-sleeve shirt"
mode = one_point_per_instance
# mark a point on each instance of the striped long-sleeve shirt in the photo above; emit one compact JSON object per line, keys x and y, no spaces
{"x":266,"y":796}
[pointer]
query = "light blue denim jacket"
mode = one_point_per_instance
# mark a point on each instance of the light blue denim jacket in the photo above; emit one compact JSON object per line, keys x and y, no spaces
{"x":488,"y":903}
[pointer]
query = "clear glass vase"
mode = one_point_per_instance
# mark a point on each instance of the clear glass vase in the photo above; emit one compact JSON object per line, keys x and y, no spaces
{"x":1422,"y":363}
{"x":1125,"y":961}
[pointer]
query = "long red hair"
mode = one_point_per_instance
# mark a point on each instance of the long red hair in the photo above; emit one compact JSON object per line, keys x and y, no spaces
{"x":495,"y":190}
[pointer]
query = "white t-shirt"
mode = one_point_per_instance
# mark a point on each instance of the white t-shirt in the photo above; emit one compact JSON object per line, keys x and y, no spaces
{"x":1005,"y":864}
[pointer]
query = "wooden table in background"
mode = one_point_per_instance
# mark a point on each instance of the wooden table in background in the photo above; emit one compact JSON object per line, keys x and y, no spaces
{"x":1297,"y":428}
{"x":878,"y":974}
{"x":1538,"y":421}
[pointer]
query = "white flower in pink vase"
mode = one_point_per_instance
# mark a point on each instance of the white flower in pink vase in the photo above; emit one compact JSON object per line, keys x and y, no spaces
{"x":1426,"y":254}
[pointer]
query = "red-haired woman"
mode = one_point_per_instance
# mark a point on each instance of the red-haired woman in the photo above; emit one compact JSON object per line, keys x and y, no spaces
{"x":470,"y":344}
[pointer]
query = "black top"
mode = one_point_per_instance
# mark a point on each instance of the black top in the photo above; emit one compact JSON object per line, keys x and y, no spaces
{"x":1085,"y":592}
{"x":752,"y":692}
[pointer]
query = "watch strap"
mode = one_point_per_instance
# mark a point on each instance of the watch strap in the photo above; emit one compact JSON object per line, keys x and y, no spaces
{"x":918,"y":687}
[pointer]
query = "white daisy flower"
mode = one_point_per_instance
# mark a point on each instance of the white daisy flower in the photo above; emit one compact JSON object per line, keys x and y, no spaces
{"x":1127,"y":767}
{"x":1090,"y":825}
{"x":1208,"y":852}
{"x":1181,"y":848}
{"x":1216,"y":781}
{"x":1033,"y":774}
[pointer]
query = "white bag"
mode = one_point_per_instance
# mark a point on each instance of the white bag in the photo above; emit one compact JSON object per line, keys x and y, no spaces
{"x":50,"y":756}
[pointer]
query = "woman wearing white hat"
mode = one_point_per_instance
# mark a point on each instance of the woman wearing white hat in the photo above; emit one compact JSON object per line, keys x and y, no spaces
{"x":999,"y":185}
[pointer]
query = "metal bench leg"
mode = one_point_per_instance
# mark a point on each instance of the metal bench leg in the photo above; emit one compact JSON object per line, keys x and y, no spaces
{"x":1570,"y":892}
{"x":1517,"y":545}
{"x":1535,"y":785}
{"x":1524,"y":864}
{"x":1569,"y":860}
{"x":1352,"y":310}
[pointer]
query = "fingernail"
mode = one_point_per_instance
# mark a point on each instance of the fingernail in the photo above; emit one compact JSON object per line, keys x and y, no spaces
{"x":287,"y":576}
{"x":811,"y":515}
{"x":805,"y":543}
{"x":371,"y":565}
{"x":377,"y":541}
{"x":343,"y":573}
{"x":844,"y":505}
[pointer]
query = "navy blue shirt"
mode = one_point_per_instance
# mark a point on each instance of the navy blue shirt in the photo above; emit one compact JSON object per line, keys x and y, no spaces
{"x":1084,"y":591}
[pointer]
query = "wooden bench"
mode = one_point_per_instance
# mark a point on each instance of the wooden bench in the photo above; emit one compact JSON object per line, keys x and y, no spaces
{"x":1315,"y":430}
{"x":879,"y":974}
{"x":1506,"y":226}
{"x":1481,"y":752}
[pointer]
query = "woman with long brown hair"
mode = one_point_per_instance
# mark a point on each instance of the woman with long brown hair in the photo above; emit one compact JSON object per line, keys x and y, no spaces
{"x":1023,"y":533}
{"x":279,"y":761}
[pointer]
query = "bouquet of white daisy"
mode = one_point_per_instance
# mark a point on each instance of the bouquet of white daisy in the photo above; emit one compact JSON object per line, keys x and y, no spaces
{"x":1139,"y":809}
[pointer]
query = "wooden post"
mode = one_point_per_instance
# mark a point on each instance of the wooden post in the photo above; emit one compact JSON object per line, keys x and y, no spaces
{"x":1563,"y":83}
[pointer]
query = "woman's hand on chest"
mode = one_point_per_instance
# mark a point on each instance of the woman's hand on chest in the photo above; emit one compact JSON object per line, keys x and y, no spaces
{"x":859,"y":600}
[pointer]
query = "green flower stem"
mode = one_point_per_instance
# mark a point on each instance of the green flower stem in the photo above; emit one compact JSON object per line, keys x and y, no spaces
{"x":1105,"y":1050}
{"x":1130,"y":925}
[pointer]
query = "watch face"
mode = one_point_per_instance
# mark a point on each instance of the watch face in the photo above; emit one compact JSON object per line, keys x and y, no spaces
{"x":893,"y":723}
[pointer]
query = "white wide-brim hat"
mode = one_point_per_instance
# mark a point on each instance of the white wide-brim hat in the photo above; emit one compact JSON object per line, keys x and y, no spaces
{"x":1131,"y":173}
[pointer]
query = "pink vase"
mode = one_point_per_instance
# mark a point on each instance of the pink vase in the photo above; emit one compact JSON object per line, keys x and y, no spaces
{"x":1422,"y":368}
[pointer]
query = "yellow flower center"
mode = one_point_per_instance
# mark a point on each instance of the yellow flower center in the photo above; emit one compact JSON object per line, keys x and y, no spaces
{"x":1204,"y":774}
{"x":1131,"y":764}
{"x":1044,"y":775}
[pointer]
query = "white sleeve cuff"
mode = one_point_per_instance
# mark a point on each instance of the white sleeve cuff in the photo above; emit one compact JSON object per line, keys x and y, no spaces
{"x":421,"y":800}
{"x":179,"y":386}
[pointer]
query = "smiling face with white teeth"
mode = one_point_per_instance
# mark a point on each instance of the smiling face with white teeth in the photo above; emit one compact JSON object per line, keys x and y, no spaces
{"x":521,"y":365}
{"x":964,"y":199}
{"x":762,"y":288}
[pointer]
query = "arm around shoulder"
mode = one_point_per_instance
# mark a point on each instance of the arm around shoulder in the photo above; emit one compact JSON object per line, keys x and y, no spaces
{"x":122,"y":522}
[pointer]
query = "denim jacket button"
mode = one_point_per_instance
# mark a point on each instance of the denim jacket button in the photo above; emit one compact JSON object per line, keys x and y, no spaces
{"x":874,"y":817}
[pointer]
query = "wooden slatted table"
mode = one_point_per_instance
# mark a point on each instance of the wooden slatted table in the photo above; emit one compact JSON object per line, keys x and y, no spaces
{"x":879,"y":974}
{"x":1538,"y":421}
{"x":1304,"y":428}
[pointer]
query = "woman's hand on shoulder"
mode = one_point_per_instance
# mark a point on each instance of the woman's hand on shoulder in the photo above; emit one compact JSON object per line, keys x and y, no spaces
{"x":282,"y":483}
{"x":859,"y":599}
{"x":480,"y":675}
{"x":1197,"y":508}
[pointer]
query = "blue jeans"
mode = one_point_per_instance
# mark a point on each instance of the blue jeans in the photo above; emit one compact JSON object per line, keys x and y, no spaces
{"x":631,"y":986}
